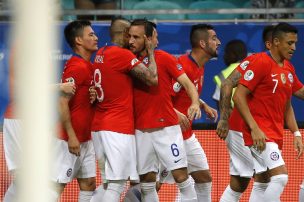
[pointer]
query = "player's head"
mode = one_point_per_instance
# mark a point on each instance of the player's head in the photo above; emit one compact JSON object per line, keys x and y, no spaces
{"x":267,"y":36}
{"x":284,"y":39}
{"x":235,"y":51}
{"x":79,"y":34}
{"x":119,"y":31}
{"x":139,"y":28}
{"x":203,"y":36}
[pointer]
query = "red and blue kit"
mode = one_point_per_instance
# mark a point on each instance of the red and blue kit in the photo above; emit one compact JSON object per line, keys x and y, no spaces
{"x":80,"y":72}
{"x":153,"y":104}
{"x":181,"y":100}
{"x":271,"y":87}
{"x":114,"y":111}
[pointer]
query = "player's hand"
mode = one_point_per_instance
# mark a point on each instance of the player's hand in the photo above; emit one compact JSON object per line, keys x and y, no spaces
{"x":298,"y":145}
{"x":74,"y":145}
{"x":194,"y":111}
{"x":222,"y":129}
{"x":210,"y":112}
{"x":93,"y":94}
{"x":183,"y":120}
{"x":259,"y":139}
{"x":150,"y":46}
{"x":68,"y":88}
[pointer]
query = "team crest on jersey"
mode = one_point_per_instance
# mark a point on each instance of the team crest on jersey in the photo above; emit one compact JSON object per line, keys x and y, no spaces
{"x":176,"y":87}
{"x":274,"y":156}
{"x":70,"y":80}
{"x":69,"y":172}
{"x":164,"y":173}
{"x":283,"y":78}
{"x":99,"y":58}
{"x":146,"y":60}
{"x":244,"y":64}
{"x":248,"y":75}
{"x":290,"y":77}
{"x":134,"y":61}
{"x":179,"y":67}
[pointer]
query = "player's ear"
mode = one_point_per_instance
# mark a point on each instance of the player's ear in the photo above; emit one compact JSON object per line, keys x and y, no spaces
{"x":276,"y":41}
{"x":202,"y":43}
{"x":78,"y":40}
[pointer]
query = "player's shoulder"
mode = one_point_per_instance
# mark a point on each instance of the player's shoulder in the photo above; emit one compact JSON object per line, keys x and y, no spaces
{"x":163,"y":54}
{"x":76,"y":63}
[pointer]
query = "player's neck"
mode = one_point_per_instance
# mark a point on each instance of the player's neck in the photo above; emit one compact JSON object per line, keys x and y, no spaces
{"x":275,"y":56}
{"x":86,"y":55}
{"x":199,"y":58}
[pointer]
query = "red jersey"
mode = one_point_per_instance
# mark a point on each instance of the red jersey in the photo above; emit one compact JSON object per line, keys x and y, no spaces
{"x":181,"y":100}
{"x":153,"y":105}
{"x":271,"y":87}
{"x":236,"y":121}
{"x":10,"y":111}
{"x":114,"y":111}
{"x":80,"y":72}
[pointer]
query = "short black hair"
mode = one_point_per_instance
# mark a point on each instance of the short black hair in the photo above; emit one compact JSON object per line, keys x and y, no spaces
{"x":116,"y":26}
{"x":235,"y":51}
{"x":196,"y":31}
{"x":75,"y":29}
{"x":149,"y":26}
{"x":267,"y":33}
{"x":283,"y":27}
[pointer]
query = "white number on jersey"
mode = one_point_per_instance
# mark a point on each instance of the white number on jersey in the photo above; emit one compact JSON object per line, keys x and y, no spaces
{"x":276,"y":81}
{"x":97,"y":81}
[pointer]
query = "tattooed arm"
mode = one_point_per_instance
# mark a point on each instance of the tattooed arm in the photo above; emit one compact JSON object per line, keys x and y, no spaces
{"x":147,"y":75}
{"x":225,"y":103}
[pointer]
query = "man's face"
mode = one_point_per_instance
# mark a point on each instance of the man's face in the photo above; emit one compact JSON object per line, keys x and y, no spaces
{"x":137,"y":40}
{"x":212,"y":44}
{"x":88,"y":40}
{"x":287,"y":45}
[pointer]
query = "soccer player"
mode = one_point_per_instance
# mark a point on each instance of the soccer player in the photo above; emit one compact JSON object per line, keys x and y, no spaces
{"x":158,"y":135}
{"x":12,"y":130}
{"x":241,"y":162}
{"x":204,"y":43}
{"x":264,"y":120}
{"x":75,"y":157}
{"x":113,"y":124}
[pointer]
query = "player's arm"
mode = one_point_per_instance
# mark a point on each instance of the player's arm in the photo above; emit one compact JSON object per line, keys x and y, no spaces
{"x":292,"y":125}
{"x":300,"y":93}
{"x":182,"y":120}
{"x":64,"y":111}
{"x":210,"y":112}
{"x":194,"y":110}
{"x":225,"y":102}
{"x":240,"y":102}
{"x":67,"y":87}
{"x":147,"y":75}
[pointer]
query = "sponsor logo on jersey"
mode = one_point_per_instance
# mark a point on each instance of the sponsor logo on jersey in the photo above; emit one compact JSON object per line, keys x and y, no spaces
{"x":179,"y":67}
{"x":248,"y":75}
{"x":146,"y":60}
{"x":290,"y":77}
{"x":134,"y":61}
{"x":69,"y":172}
{"x":274,"y":156}
{"x":283,"y":78}
{"x":70,"y":80}
{"x":244,"y":64}
{"x":177,"y":87}
{"x":99,"y":58}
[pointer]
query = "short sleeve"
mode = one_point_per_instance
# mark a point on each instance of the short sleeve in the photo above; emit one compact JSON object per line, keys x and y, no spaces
{"x":253,"y":70}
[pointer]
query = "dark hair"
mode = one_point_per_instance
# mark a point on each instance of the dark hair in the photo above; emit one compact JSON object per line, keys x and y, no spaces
{"x":75,"y":29}
{"x":149,"y":26}
{"x":281,"y":28}
{"x":267,"y":33}
{"x":235,"y":51}
{"x":196,"y":31}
